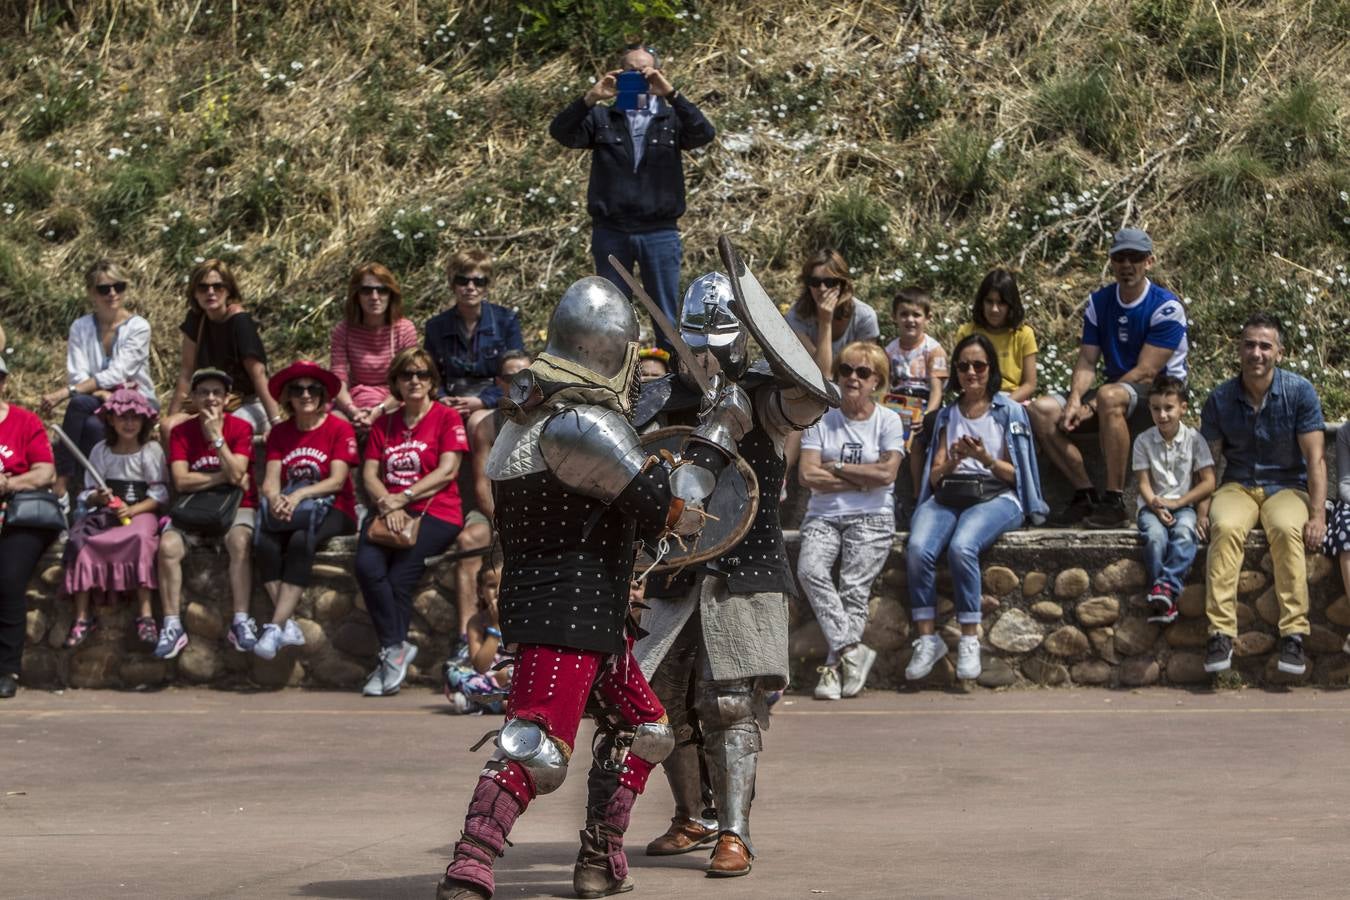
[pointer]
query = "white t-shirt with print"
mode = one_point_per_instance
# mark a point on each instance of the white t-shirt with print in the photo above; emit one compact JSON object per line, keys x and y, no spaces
{"x":838,"y":437}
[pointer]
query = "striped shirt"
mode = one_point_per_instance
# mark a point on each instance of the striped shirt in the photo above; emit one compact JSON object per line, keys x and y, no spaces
{"x":360,"y":355}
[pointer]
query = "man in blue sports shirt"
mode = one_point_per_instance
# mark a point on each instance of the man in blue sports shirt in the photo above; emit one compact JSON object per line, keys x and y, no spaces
{"x":1136,"y":329}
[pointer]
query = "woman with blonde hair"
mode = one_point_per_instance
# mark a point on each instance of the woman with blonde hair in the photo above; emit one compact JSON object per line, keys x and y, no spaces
{"x":849,"y":460}
{"x":372,"y":332}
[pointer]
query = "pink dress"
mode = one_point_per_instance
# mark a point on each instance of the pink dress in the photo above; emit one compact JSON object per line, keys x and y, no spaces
{"x":360,"y":357}
{"x":119,"y":557}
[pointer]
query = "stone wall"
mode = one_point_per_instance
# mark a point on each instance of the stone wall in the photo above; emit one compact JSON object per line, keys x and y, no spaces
{"x":1067,"y":608}
{"x":339,"y":650}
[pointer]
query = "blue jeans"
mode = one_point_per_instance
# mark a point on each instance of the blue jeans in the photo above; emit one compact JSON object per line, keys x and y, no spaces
{"x":965,"y":534}
{"x":85,"y":428}
{"x":389,"y":577}
{"x":1168,"y":551}
{"x":657,"y":254}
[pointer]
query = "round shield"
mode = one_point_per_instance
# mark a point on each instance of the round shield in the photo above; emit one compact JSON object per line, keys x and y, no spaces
{"x":733,"y":505}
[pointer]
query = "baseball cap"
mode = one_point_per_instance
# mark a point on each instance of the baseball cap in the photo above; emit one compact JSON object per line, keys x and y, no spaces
{"x":203,"y":374}
{"x":1132,"y":239}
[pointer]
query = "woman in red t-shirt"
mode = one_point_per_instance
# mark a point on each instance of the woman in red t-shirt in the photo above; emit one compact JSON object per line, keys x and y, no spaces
{"x":309,"y":457}
{"x":25,"y":465}
{"x":412,"y":456}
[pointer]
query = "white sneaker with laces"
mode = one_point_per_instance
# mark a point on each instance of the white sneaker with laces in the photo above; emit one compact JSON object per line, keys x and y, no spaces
{"x":855,"y":664}
{"x":827,"y":688}
{"x":269,"y":642}
{"x":375,"y":683}
{"x":291,"y":635}
{"x":968,"y":657}
{"x":928,"y":649}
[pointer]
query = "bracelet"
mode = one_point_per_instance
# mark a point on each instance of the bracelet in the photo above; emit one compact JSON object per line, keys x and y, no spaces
{"x":277,"y":419}
{"x":70,"y":392}
{"x":493,"y":631}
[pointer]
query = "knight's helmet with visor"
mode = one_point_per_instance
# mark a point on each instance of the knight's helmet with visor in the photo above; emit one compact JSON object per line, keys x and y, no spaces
{"x":710,"y":328}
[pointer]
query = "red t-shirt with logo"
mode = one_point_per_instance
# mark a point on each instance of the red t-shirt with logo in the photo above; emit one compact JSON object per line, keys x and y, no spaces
{"x":24,"y":442}
{"x":309,"y":455}
{"x":187,"y":443}
{"x":406,"y":456}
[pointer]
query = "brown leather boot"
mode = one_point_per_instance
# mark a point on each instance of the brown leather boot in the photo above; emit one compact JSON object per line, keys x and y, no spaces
{"x":449,"y":889}
{"x":682,"y":836}
{"x":601,"y":868}
{"x":729,"y":858}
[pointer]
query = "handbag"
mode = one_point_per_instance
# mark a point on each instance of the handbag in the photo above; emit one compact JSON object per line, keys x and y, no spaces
{"x":209,"y":512}
{"x":308,"y":515}
{"x":380,"y":533}
{"x":964,"y":490}
{"x":34,"y":509}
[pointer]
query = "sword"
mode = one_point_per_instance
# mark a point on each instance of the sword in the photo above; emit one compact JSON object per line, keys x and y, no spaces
{"x":667,"y":328}
{"x":116,"y":505}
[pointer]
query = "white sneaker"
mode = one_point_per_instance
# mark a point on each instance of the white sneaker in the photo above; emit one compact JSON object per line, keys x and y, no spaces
{"x":269,"y":642}
{"x":375,"y":683}
{"x":855,"y":664}
{"x":459,"y":704}
{"x":968,"y":657}
{"x":928,"y":649}
{"x":827,"y":688}
{"x":291,"y":635}
{"x":1345,"y":648}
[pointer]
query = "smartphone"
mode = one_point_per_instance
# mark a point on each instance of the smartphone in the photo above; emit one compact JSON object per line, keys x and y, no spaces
{"x":632,"y":88}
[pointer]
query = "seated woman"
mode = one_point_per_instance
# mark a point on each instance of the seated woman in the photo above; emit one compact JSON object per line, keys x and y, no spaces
{"x":307,"y":495}
{"x":412,"y":456}
{"x":979,"y":481}
{"x":468,"y":339}
{"x":107,"y":349}
{"x":826,"y":316}
{"x":218,"y":333}
{"x":998,"y":314}
{"x":26,"y":466}
{"x":849,"y":461}
{"x":213,"y":450}
{"x":1336,"y":544}
{"x":373,"y":331}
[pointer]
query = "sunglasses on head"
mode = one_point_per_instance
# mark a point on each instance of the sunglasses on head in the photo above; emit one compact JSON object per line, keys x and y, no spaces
{"x":380,"y":289}
{"x":815,"y":282}
{"x":418,"y":374}
{"x":978,"y":365}
{"x":466,"y":280}
{"x":863,"y":372}
{"x":107,"y":289}
{"x":301,"y":390}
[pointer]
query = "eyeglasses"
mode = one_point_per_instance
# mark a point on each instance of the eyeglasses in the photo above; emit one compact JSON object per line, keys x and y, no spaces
{"x":380,"y":289}
{"x":206,"y":287}
{"x":206,"y":393}
{"x":480,"y":281}
{"x":415,"y":374}
{"x":815,"y":282}
{"x":863,"y":372}
{"x":302,"y":390}
{"x":978,"y":365}
{"x":107,"y":289}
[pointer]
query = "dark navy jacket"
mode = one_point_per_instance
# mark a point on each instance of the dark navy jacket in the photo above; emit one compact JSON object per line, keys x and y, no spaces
{"x":652,"y":198}
{"x":498,"y":331}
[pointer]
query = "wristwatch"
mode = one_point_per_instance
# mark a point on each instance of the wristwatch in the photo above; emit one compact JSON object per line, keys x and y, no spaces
{"x":408,"y":492}
{"x":218,"y":443}
{"x":838,"y":467}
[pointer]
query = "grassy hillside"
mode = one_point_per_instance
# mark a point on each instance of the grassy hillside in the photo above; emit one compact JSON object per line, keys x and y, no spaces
{"x":930,"y":142}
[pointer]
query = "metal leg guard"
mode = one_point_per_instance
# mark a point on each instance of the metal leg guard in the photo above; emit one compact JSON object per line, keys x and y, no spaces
{"x":684,"y":771}
{"x":731,"y":745}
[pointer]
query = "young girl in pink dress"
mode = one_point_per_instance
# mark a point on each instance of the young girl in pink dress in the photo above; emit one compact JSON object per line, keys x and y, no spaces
{"x":113,"y":543}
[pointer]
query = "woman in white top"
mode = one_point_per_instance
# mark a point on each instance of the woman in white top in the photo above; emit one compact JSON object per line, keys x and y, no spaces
{"x":849,"y":460}
{"x":106,"y":350}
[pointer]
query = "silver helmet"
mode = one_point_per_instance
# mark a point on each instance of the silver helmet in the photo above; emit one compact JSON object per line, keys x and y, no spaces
{"x":710,"y":328}
{"x":593,"y":343}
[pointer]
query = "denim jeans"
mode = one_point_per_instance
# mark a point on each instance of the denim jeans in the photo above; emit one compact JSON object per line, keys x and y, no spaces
{"x":1168,"y":550}
{"x":85,"y":428}
{"x":860,"y":543}
{"x":657,"y":254}
{"x":965,"y":534}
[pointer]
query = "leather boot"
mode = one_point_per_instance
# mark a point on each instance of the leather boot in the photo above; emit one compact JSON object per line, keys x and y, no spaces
{"x":687,"y":831}
{"x":682,"y":836}
{"x":729,"y":858}
{"x":492,"y":812}
{"x":602,"y":866}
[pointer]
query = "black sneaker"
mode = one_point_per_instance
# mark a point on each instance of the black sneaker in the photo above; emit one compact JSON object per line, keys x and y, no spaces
{"x":1292,"y":660}
{"x":1072,"y":515}
{"x":1219,"y":653}
{"x":1109,"y":513}
{"x":1162,"y":605}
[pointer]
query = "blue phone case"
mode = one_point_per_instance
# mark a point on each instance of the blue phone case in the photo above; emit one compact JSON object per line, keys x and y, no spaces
{"x":632,"y":91}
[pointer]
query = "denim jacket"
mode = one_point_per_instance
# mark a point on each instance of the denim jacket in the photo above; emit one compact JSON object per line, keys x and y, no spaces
{"x":1012,"y":418}
{"x":498,"y":331}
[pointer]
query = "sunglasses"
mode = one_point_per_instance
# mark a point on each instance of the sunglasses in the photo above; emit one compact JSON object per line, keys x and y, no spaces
{"x":863,"y":372}
{"x":815,"y":282}
{"x":978,"y":365}
{"x":107,"y":289}
{"x":301,"y":390}
{"x":1134,"y":256}
{"x":480,"y":281}
{"x":374,"y":289}
{"x":206,"y":287}
{"x":415,"y":374}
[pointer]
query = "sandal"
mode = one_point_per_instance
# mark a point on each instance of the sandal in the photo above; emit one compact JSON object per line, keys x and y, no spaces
{"x":80,"y":630}
{"x":146,"y":630}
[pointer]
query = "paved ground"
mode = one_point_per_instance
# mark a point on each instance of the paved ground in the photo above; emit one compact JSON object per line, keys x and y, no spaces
{"x":197,"y":793}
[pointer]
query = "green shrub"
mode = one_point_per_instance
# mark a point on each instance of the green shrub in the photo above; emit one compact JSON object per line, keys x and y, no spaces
{"x":1297,"y":125}
{"x":30,"y":184}
{"x":1097,"y":107}
{"x":406,"y":239}
{"x":1229,"y":178}
{"x":856,"y":222}
{"x":56,"y":107}
{"x":970,"y":165}
{"x":130,"y":191}
{"x":921,"y":101}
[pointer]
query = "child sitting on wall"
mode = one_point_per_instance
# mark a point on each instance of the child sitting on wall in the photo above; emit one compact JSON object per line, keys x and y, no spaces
{"x":478,"y":686}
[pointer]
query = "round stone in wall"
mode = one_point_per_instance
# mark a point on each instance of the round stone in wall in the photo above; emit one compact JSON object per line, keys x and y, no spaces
{"x":1091,"y":671}
{"x":1139,"y":671}
{"x":1016,"y":632}
{"x":1121,"y":576}
{"x":1034,"y":583}
{"x":1047,"y":610}
{"x":999,"y":580}
{"x":1071,"y":583}
{"x":1253,"y":643}
{"x":1097,"y":611}
{"x":1338,"y":613}
{"x":1186,"y":668}
{"x":1135,"y":636}
{"x":1067,"y":642}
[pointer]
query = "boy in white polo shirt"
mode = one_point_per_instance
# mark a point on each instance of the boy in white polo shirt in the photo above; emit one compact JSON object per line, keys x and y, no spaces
{"x":1176,"y":474}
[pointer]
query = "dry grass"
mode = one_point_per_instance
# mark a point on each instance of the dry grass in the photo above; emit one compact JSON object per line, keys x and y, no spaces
{"x":1030,"y":129}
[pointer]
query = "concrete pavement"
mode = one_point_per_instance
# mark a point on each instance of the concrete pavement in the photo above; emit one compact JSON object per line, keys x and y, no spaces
{"x":1060,"y":793}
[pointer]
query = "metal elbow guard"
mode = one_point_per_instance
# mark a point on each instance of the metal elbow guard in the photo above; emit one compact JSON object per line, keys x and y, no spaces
{"x":653,"y":741}
{"x":730,"y":419}
{"x":528,"y":744}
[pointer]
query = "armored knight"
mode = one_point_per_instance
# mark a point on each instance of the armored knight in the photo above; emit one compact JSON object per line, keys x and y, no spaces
{"x":574,"y":488}
{"x":714,"y":653}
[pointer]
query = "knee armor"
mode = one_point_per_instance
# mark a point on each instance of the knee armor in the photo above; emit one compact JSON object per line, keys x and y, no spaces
{"x":528,"y":744}
{"x":653,"y":741}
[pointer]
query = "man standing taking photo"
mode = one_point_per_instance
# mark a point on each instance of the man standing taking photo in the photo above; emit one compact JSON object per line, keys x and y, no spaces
{"x":636,"y":192}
